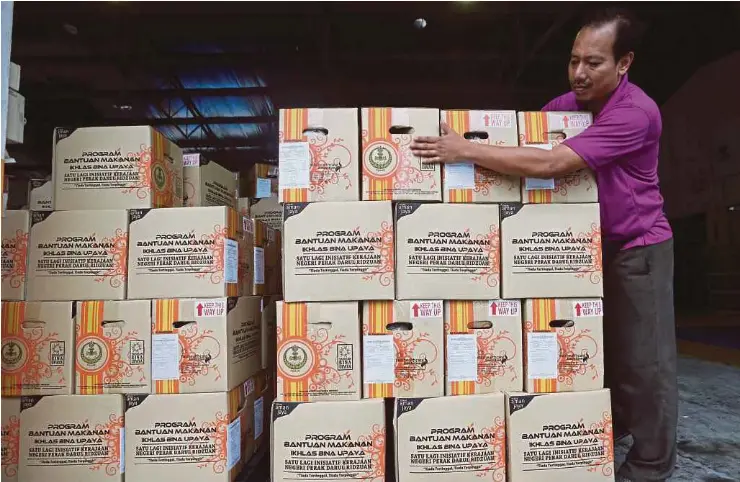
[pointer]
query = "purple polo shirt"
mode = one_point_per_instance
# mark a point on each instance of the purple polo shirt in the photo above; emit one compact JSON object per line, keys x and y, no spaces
{"x":621,"y":147}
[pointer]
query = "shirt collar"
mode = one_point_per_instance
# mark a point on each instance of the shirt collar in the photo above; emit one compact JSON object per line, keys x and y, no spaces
{"x":615,"y":96}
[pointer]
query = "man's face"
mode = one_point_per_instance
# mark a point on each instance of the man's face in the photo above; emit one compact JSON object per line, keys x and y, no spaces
{"x":593,"y":72}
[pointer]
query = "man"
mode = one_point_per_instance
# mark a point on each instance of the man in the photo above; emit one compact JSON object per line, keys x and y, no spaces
{"x":621,"y":147}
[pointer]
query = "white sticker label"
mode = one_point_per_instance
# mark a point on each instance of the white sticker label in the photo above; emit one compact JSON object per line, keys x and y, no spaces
{"x":582,"y":309}
{"x":122,"y":448}
{"x":426,"y":309}
{"x":259,"y":266}
{"x":259,"y":417}
{"x":505,"y":308}
{"x":165,"y":356}
{"x":504,"y":120}
{"x":295,"y":164}
{"x":190,"y":160}
{"x":209,"y":308}
{"x":264,"y":187}
{"x":249,"y":387}
{"x":575,"y":121}
{"x":248,"y":225}
{"x":462,"y":358}
{"x":231,"y":261}
{"x":460,"y":175}
{"x":542,"y":355}
{"x":534,"y":184}
{"x":379,"y":359}
{"x":233,"y":443}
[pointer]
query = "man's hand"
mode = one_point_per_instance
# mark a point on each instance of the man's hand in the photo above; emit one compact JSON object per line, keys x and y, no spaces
{"x":449,"y":148}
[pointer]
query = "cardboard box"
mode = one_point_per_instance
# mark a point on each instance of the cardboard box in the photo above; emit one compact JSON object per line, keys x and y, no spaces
{"x":318,"y":351}
{"x":403,"y":349}
{"x":447,"y":251}
{"x":192,"y":437}
{"x":261,"y":242}
{"x":268,"y":210}
{"x":11,"y":434}
{"x":551,"y":251}
{"x":261,"y":180}
{"x":183,"y":253}
{"x":458,"y":439}
{"x":115,"y":168}
{"x":96,"y":426}
{"x":113,"y":347}
{"x":483,"y":349}
{"x":40,"y":195}
{"x":77,"y":255}
{"x":468,"y":183}
{"x":273,"y":263}
{"x":243,"y":207}
{"x":546,"y":130}
{"x":319,"y":155}
{"x":247,"y":256}
{"x":38,"y":348}
{"x":206,"y":183}
{"x":560,"y":436}
{"x":564,"y":345}
{"x":269,"y":332}
{"x":254,"y":428}
{"x":15,"y":227}
{"x":338,"y":251}
{"x":341,"y":440}
{"x":205,"y":345}
{"x":389,"y":170}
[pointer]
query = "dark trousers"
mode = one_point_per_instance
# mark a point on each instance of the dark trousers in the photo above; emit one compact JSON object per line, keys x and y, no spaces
{"x":640,"y":356}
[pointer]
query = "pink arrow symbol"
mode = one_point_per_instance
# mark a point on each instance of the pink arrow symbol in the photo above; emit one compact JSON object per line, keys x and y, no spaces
{"x":578,"y":309}
{"x":415,"y":307}
{"x":494,"y":307}
{"x":200,"y":309}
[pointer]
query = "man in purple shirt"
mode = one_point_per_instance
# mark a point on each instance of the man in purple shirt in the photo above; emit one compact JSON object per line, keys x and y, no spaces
{"x":621,"y":147}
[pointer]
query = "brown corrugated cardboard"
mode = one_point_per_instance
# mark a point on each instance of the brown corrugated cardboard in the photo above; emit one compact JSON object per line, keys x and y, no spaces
{"x":40,"y":195}
{"x":560,"y":436}
{"x":564,"y":345}
{"x":253,"y":423}
{"x":243,"y":205}
{"x":403,"y":349}
{"x":184,"y":252}
{"x":113,"y":347}
{"x":273,"y":264}
{"x":115,"y":168}
{"x":72,"y":438}
{"x":318,"y":351}
{"x":37,"y":348}
{"x":11,"y":433}
{"x":483,"y":349}
{"x":337,"y":251}
{"x":455,"y":439}
{"x":207,"y":183}
{"x":390,"y":171}
{"x":329,"y":441}
{"x":247,"y":256}
{"x":468,"y":183}
{"x":192,"y":437}
{"x":551,"y":251}
{"x":261,"y":180}
{"x":205,"y":345}
{"x":546,"y":130}
{"x":269,"y":332}
{"x":268,"y":210}
{"x":15,"y":226}
{"x":447,"y":251}
{"x":77,"y":255}
{"x":319,"y":155}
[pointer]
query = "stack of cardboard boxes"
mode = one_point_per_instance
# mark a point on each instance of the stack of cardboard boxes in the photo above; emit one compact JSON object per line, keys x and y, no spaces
{"x":133,"y":343}
{"x":467,"y":314}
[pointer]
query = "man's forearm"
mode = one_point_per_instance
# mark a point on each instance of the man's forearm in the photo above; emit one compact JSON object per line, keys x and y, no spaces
{"x":514,"y":161}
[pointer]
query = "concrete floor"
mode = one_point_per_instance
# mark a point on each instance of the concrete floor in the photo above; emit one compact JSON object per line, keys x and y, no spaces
{"x":709,"y":423}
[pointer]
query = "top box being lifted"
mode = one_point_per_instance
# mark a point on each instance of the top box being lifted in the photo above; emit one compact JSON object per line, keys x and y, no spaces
{"x":131,"y":167}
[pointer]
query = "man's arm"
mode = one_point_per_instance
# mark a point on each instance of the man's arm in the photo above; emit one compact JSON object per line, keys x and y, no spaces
{"x":526,"y":161}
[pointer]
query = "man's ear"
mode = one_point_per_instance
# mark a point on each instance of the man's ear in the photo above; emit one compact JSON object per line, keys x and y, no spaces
{"x":625,"y":62}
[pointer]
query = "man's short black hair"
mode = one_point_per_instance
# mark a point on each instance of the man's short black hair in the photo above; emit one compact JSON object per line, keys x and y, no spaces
{"x":628,"y":28}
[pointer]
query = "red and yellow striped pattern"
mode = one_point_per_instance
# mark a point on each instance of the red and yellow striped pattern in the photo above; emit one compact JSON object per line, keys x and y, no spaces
{"x":379,"y":124}
{"x":461,"y":315}
{"x":233,"y":223}
{"x":377,"y":317}
{"x":543,"y":312}
{"x":536,"y":131}
{"x":166,"y":313}
{"x":294,"y":325}
{"x":90,"y":324}
{"x":161,"y":198}
{"x":295,"y":122}
{"x":13,"y":315}
{"x":459,"y":120}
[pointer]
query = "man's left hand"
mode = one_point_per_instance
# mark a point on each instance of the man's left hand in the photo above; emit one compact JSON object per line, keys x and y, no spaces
{"x":449,"y":148}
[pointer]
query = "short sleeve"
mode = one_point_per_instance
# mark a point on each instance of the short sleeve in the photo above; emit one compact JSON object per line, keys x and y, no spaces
{"x":617,"y":133}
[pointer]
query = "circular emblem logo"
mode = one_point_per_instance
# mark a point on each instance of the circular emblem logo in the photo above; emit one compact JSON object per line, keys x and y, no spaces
{"x":14,"y":354}
{"x":297,"y":358}
{"x":92,"y":354}
{"x":159,"y":176}
{"x":380,"y":159}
